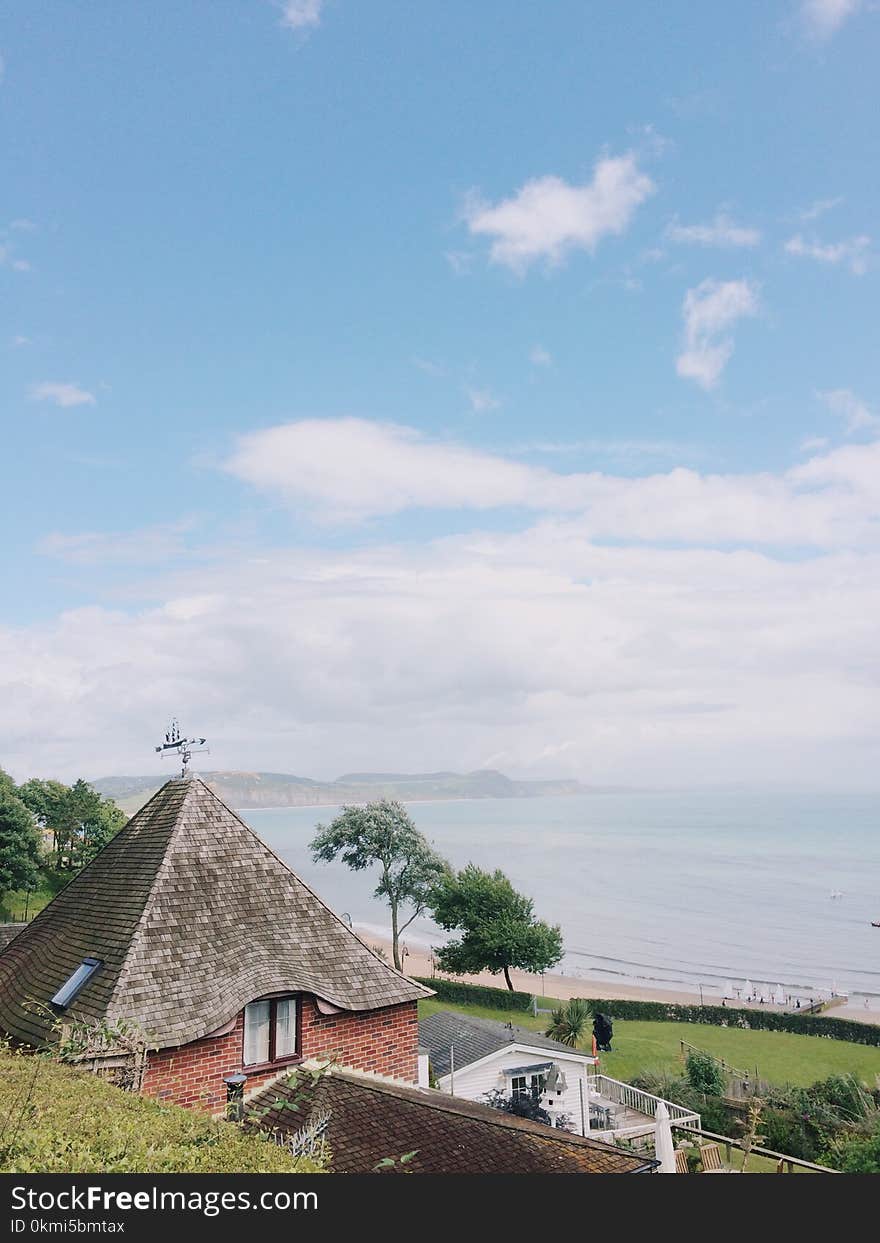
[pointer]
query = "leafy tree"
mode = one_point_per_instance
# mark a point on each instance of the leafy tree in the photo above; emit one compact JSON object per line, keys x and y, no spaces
{"x":568,"y":1022}
{"x":499,"y":928}
{"x":46,"y":800}
{"x":83,"y":822}
{"x":7,"y":785}
{"x":382,"y":834}
{"x":19,"y":845}
{"x":705,"y":1074}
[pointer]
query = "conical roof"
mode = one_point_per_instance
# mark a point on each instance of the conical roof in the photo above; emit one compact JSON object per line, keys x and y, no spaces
{"x":192,"y":917}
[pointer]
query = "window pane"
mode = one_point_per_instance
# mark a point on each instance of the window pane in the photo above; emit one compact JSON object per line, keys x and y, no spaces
{"x":256,"y":1033}
{"x":285,"y":1028}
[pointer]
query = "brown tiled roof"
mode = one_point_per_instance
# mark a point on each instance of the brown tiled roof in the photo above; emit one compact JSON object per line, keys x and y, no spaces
{"x":8,"y":931}
{"x":371,"y":1119}
{"x":192,"y":916}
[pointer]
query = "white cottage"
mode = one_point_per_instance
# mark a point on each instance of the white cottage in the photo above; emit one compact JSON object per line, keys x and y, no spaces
{"x":470,"y":1057}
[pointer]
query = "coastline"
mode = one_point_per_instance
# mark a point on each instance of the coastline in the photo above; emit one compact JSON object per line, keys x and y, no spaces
{"x":417,"y":961}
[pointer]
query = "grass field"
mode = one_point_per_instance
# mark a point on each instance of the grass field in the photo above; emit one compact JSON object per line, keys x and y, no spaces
{"x":780,"y":1057}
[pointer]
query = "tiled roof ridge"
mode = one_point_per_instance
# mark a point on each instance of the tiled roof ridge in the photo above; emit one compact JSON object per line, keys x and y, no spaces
{"x":268,"y":849}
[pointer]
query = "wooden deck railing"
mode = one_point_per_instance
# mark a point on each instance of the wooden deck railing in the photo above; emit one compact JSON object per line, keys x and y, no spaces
{"x":642,"y":1102}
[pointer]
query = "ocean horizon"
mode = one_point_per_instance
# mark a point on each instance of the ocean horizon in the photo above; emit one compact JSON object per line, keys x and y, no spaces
{"x":665,"y":889}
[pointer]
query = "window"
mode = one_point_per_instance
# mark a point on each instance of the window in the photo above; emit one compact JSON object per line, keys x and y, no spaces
{"x":269,"y":1031}
{"x":529,"y":1086}
{"x":519,"y":1086}
{"x":70,"y":988}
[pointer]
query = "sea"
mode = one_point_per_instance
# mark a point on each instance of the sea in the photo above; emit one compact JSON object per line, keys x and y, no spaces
{"x":718,"y":891}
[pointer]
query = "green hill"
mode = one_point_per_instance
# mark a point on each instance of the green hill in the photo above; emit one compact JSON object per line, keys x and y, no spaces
{"x":249,"y":791}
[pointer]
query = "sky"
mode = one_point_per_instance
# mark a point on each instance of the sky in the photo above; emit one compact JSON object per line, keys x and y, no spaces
{"x":411,"y":387}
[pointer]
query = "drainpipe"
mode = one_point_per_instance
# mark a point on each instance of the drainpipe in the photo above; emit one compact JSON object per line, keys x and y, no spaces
{"x":452,"y":1070}
{"x":235,"y":1097}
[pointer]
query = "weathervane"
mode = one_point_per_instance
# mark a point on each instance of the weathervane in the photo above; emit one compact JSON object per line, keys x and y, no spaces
{"x":183,"y":748}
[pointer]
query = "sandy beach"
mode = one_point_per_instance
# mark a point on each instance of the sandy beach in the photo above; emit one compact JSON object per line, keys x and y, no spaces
{"x":417,"y":961}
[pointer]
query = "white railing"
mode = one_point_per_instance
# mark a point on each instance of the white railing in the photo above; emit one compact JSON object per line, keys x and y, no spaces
{"x":625,"y":1094}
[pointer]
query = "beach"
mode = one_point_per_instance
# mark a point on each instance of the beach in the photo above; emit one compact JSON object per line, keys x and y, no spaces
{"x":658,"y":896}
{"x":417,"y":961}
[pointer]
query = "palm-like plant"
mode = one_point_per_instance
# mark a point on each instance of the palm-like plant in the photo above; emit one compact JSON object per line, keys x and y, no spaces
{"x":567,"y":1024}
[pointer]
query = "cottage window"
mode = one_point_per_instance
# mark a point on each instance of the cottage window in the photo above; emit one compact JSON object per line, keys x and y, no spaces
{"x":527,"y":1086}
{"x":269,"y":1031}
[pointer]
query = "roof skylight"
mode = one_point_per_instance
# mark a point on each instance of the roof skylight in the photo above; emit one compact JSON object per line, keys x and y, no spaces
{"x":71,"y":987}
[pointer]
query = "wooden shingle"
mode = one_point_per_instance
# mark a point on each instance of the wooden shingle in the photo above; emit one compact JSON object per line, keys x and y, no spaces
{"x":192,"y":916}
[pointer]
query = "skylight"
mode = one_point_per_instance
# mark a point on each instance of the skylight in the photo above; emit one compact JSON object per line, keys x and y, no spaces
{"x":70,"y":988}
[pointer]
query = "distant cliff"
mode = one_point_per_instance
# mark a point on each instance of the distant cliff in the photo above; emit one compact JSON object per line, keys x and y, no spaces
{"x":254,"y":790}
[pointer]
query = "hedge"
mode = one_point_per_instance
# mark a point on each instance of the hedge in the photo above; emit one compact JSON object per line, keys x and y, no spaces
{"x":477,"y":994}
{"x":661,"y":1011}
{"x":730,"y":1016}
{"x":58,"y":1119}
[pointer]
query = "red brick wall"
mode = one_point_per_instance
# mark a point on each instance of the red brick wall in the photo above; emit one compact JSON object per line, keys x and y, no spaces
{"x":384,"y":1041}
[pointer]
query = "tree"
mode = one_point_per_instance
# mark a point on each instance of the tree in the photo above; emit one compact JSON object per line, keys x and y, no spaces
{"x":382,"y":834}
{"x":19,"y":845}
{"x":46,"y":800}
{"x":498,"y":926}
{"x":88,"y":821}
{"x":568,"y":1022}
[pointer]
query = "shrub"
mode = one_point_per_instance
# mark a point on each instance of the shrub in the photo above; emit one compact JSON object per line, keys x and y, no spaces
{"x":60,"y":1120}
{"x":704,"y":1074}
{"x":856,"y":1154}
{"x":728,"y":1016}
{"x":477,"y":994}
{"x":568,"y":1022}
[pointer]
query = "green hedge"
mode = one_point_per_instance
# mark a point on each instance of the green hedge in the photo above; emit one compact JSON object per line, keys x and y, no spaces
{"x":477,"y":994}
{"x":661,"y":1011}
{"x":730,"y":1016}
{"x":57,"y":1119}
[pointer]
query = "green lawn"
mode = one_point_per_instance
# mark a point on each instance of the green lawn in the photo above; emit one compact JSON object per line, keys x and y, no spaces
{"x":18,"y":903}
{"x":641,"y":1046}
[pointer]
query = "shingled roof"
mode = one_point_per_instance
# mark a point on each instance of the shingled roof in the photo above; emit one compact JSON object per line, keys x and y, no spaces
{"x":369,"y":1119}
{"x":475,"y":1038}
{"x":192,"y":916}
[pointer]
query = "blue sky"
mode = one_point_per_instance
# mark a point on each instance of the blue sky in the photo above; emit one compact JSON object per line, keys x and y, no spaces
{"x":408,"y":386}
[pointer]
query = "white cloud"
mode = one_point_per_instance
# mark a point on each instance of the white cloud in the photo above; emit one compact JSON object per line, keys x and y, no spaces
{"x":301,"y":14}
{"x":853,"y":251}
{"x":629,"y":633}
{"x":61,"y":393}
{"x":150,"y":545}
{"x":482,"y":400}
{"x":812,"y":443}
{"x":616,"y":664}
{"x":18,"y":341}
{"x":351,"y":470}
{"x":820,"y":207}
{"x":823,"y":18}
{"x":722,"y":231}
{"x":547,"y":217}
{"x":539,"y":357}
{"x":855,"y":413}
{"x":709,"y":310}
{"x":430,"y":368}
